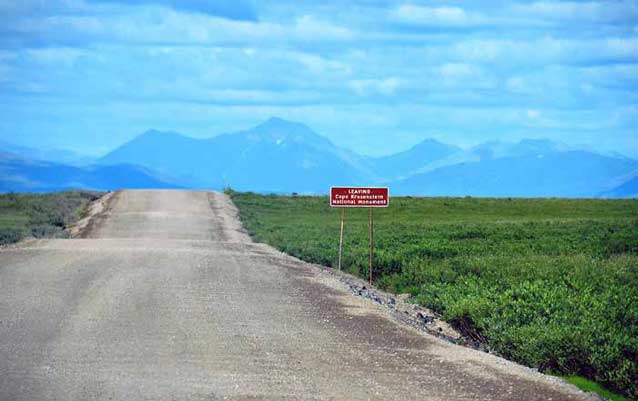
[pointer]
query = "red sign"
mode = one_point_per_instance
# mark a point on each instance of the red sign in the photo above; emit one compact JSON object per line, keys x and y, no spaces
{"x":359,"y":197}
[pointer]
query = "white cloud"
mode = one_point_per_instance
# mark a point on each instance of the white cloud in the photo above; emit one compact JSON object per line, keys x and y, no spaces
{"x":5,"y":72}
{"x":160,"y":25}
{"x":318,"y":64}
{"x":533,"y":114}
{"x":539,"y":14}
{"x":544,"y":50}
{"x":31,"y":7}
{"x":309,"y":28}
{"x":54,"y":55}
{"x":516,"y":84}
{"x":413,"y":14}
{"x":384,"y":86}
{"x":458,"y":70}
{"x":558,"y":9}
{"x":606,"y":11}
{"x":462,"y":75}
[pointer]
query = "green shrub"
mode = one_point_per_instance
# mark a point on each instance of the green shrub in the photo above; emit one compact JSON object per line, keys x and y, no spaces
{"x":9,"y":235}
{"x":551,"y":283}
{"x":41,"y":215}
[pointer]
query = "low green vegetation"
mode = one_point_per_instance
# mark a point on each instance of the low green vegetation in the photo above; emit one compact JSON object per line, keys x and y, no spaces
{"x":593,"y":387}
{"x":41,"y":215}
{"x":550,"y":283}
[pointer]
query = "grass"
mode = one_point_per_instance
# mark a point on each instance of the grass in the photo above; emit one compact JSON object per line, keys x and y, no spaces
{"x":41,"y":215}
{"x":550,"y":283}
{"x":593,"y":387}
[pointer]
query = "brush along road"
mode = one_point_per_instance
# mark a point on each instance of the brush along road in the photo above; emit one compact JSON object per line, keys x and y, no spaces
{"x":166,"y":299}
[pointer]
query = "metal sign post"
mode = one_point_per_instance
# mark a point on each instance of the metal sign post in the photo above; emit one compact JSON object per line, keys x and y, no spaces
{"x":371,"y":228}
{"x":343,"y":217}
{"x":369,"y":197}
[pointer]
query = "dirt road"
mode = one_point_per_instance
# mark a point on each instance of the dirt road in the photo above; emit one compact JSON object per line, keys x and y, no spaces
{"x":166,"y":299}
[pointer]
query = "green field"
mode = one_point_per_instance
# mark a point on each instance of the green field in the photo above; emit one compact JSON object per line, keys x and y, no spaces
{"x":550,"y":283}
{"x":41,"y":215}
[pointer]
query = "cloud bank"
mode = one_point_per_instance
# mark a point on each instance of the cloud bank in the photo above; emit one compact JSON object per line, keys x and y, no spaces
{"x":376,"y":76}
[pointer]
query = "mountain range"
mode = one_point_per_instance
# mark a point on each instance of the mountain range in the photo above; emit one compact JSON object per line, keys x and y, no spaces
{"x":18,"y":174}
{"x":61,"y":156}
{"x":280,"y":156}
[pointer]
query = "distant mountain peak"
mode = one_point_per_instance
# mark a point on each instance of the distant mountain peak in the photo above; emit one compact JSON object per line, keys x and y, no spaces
{"x":276,"y":120}
{"x":525,"y":146}
{"x":537,"y":142}
{"x":279,"y":124}
{"x":278,"y":130}
{"x":540,"y":144}
{"x":414,"y":159}
{"x":431,"y":140}
{"x":158,"y":133}
{"x":431,"y":143}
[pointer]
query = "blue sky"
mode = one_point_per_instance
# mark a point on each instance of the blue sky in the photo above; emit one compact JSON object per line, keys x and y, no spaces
{"x":373,"y":76}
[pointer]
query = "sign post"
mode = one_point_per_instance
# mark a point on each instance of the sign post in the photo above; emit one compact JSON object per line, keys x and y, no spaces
{"x":371,"y":227}
{"x":369,"y":197}
{"x":343,"y":217}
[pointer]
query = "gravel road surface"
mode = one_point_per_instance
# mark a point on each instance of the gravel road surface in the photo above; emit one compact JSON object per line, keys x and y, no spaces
{"x":166,"y":299}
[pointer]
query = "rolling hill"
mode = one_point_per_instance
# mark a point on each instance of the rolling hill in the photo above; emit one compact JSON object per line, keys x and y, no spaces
{"x":18,"y":174}
{"x":62,"y":156}
{"x":532,"y":174}
{"x":628,"y":189}
{"x":418,"y":157}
